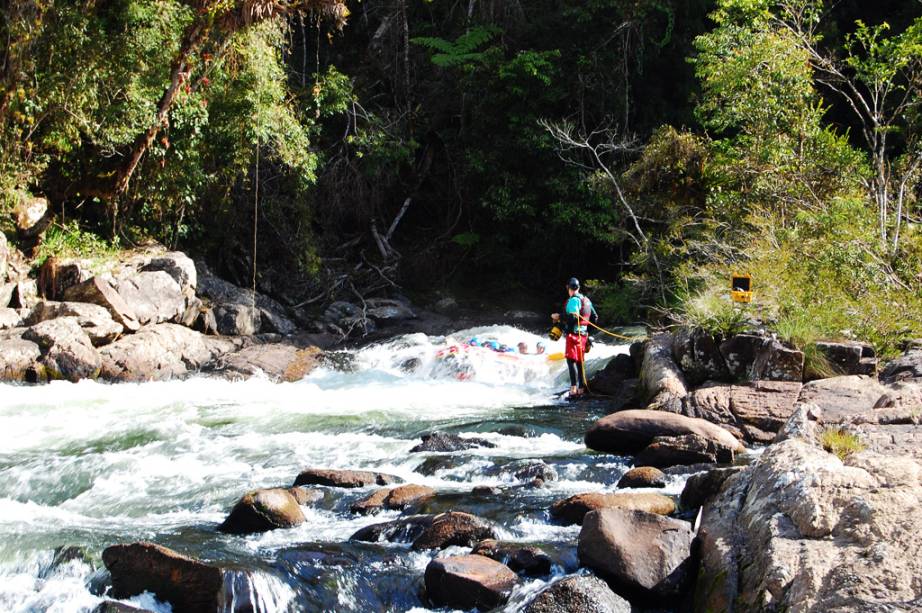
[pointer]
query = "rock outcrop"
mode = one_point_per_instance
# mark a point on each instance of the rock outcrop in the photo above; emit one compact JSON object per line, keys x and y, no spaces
{"x":704,"y":486}
{"x":578,"y":594}
{"x":642,"y":555}
{"x":263,"y":510}
{"x":697,"y":353}
{"x":92,"y":318}
{"x":573,"y":510}
{"x":67,"y":352}
{"x":628,"y":432}
{"x":466,"y":582}
{"x":754,"y":411}
{"x":802,"y":530}
{"x":662,"y":383}
{"x":343,"y":478}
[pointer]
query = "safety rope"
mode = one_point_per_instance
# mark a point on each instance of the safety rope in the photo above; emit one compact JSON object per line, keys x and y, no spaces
{"x":621,"y":336}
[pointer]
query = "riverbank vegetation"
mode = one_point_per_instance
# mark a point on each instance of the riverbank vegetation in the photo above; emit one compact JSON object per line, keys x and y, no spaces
{"x":656,"y":146}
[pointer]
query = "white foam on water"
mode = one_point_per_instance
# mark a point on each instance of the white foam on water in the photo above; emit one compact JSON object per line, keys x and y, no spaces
{"x":118,"y":462}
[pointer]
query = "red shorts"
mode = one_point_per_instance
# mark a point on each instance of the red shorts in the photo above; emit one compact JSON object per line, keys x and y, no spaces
{"x":576,"y":347}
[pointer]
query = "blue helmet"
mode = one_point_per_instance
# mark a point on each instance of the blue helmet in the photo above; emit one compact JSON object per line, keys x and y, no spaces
{"x":474,"y":342}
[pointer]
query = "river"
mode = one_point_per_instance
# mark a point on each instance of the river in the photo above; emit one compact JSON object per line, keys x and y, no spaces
{"x":88,"y":465}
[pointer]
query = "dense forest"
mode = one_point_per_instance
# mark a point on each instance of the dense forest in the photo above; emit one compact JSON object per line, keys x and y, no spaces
{"x":651,"y":146}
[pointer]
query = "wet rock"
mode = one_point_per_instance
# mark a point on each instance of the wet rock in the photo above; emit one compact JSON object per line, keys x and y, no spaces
{"x":305,"y":496}
{"x":434,"y":464}
{"x":842,"y":397}
{"x":536,"y":470}
{"x":465,"y":582}
{"x":263,"y":510}
{"x":665,"y":451}
{"x":643,"y":476}
{"x":578,"y":594}
{"x":698,"y":355}
{"x":640,"y":554}
{"x":343,"y":478}
{"x":753,"y":411}
{"x":800,"y":530}
{"x":237,"y":319}
{"x":628,"y":432}
{"x":485,"y":490}
{"x":395,"y":499}
{"x":610,"y":380}
{"x":454,"y":528}
{"x":100,"y":291}
{"x":662,"y":383}
{"x":444,"y":442}
{"x":67,"y":352}
{"x":9,"y":318}
{"x":186,"y":583}
{"x":160,"y":352}
{"x":907,"y":366}
{"x":573,"y":510}
{"x":403,"y":530}
{"x":18,"y":356}
{"x":386,"y":310}
{"x":529,"y":561}
{"x":111,"y":606}
{"x":92,"y":318}
{"x":279,"y":361}
{"x":702,"y":487}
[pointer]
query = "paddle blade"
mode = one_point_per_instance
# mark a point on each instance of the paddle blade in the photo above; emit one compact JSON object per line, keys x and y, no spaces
{"x":555,"y":357}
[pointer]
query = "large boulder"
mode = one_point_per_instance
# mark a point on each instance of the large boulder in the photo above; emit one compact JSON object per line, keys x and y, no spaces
{"x":160,"y":352}
{"x":842,"y":397}
{"x":67,"y":352}
{"x":642,"y":555}
{"x":100,"y":290}
{"x":527,"y":560}
{"x":263,"y":510}
{"x":643,"y":476}
{"x":178,"y":265}
{"x":704,"y":486}
{"x":907,"y":366}
{"x":257,"y":311}
{"x":662,"y":383}
{"x":10,"y":318}
{"x":445,"y":442}
{"x":402,"y":530}
{"x":394,"y":499}
{"x":187,"y":584}
{"x":761,"y":358}
{"x":154,"y":297}
{"x":628,"y":432}
{"x":573,"y":510}
{"x":18,"y":357}
{"x":578,"y":594}
{"x":698,"y":355}
{"x":466,"y":582}
{"x":281,"y":361}
{"x":801,"y":530}
{"x":343,"y":478}
{"x":610,"y":380}
{"x":687,"y":449}
{"x":753,"y":410}
{"x":96,"y":321}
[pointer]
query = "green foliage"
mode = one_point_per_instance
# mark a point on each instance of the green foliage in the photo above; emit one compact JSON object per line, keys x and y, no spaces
{"x":615,"y":303}
{"x":461,"y":51}
{"x":840,"y":443}
{"x":712,"y":310}
{"x":70,"y":241}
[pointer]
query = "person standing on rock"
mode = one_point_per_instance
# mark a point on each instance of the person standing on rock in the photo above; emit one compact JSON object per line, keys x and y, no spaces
{"x":578,"y":311}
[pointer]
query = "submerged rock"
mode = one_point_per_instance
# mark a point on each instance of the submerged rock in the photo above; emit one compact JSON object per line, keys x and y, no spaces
{"x":398,"y":499}
{"x":343,"y":478}
{"x":444,"y":442}
{"x":263,"y":510}
{"x":643,"y":476}
{"x":643,"y":555}
{"x":111,"y":606}
{"x":186,"y":583}
{"x":430,"y":531}
{"x":529,"y":561}
{"x":578,"y":594}
{"x":572,"y":510}
{"x":465,"y":582}
{"x":628,"y":432}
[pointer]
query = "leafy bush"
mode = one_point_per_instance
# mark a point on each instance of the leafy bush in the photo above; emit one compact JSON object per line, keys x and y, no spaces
{"x":69,"y":241}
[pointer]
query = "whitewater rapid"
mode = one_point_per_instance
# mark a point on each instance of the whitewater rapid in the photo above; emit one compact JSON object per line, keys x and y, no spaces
{"x":92,"y":464}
